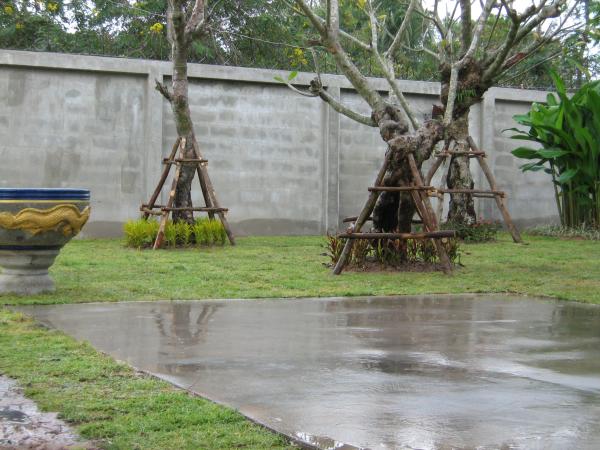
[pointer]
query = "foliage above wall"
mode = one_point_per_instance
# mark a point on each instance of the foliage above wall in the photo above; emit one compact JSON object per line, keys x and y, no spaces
{"x":263,"y":33}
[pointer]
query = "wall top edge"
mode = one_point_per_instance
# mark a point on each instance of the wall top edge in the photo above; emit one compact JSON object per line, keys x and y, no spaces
{"x":157,"y":69}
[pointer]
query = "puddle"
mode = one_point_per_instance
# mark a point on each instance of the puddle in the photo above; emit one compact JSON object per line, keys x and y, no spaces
{"x":430,"y":372}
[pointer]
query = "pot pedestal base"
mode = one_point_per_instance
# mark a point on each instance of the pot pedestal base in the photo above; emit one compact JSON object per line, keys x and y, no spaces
{"x":25,"y":272}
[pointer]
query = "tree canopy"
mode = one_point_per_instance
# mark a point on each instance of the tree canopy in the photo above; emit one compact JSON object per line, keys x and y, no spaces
{"x":267,"y":34}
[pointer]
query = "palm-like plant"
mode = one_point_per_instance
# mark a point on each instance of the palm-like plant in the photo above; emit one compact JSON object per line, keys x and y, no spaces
{"x":568,"y":130}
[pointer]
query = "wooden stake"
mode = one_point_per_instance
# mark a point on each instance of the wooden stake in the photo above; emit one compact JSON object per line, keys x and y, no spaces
{"x":165,"y":216}
{"x":499,"y":200}
{"x":440,"y":205}
{"x":363,"y":216}
{"x":210,"y":197}
{"x":163,"y":178}
{"x":429,"y":221}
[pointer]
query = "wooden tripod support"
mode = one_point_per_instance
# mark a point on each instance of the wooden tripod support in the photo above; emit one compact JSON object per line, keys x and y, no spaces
{"x":494,"y":193}
{"x":419,"y":192}
{"x":208,"y":192}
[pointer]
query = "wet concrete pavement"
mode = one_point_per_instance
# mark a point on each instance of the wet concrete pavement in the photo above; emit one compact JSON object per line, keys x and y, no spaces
{"x":23,"y":426}
{"x":435,"y":372}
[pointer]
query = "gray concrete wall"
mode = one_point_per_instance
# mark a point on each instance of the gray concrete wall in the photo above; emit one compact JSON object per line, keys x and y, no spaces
{"x":282,"y":163}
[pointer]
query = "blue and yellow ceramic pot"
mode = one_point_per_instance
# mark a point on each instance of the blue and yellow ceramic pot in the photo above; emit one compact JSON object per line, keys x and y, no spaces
{"x":34,"y":225}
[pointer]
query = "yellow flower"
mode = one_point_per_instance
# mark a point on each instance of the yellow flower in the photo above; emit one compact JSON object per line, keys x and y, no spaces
{"x":19,"y":26}
{"x":8,"y":9}
{"x":157,"y":27}
{"x":297,"y":57}
{"x":52,"y":7}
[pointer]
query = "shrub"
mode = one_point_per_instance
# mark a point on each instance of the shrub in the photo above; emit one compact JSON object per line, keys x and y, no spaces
{"x":568,"y":130}
{"x":183,"y":233}
{"x":559,"y":231}
{"x":142,"y":233}
{"x":171,"y":234}
{"x":481,"y":231}
{"x":394,"y":253}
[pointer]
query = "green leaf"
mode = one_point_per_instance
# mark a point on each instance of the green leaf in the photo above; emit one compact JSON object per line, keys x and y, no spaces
{"x":532,"y":167}
{"x":525,"y":153}
{"x":278,"y":78}
{"x":567,"y":175}
{"x":551,"y":153}
{"x":292,"y":75}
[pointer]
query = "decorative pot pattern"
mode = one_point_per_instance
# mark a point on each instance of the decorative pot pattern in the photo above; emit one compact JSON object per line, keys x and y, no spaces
{"x":34,"y":225}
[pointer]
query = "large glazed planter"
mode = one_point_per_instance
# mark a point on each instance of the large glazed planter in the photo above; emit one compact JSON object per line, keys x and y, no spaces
{"x":34,"y":225}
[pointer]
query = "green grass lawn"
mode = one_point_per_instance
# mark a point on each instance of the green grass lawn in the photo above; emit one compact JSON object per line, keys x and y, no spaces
{"x":117,"y":408}
{"x":104,"y":270}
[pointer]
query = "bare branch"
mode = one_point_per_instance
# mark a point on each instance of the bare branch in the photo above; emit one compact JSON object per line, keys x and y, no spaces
{"x":435,"y":19}
{"x":493,"y":28}
{"x":466,"y":26}
{"x":346,"y":111}
{"x":399,"y":35}
{"x":422,"y":49}
{"x":523,"y":24}
{"x":452,"y":88}
{"x":387,"y":66}
{"x":164,"y":90}
{"x":333,"y":18}
{"x":489,"y":4}
{"x":308,"y":93}
{"x":522,"y":72}
{"x":316,"y":21}
{"x":322,"y":28}
{"x":196,"y":21}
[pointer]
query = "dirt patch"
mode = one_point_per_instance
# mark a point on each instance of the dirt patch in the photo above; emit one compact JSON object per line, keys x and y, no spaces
{"x":24,"y":426}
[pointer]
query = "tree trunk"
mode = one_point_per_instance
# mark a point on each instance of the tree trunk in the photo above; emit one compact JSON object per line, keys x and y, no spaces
{"x":185,"y":129}
{"x":394,"y":211}
{"x":462,"y":207}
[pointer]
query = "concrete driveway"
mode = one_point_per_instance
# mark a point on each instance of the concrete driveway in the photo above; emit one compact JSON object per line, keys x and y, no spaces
{"x":431,"y":372}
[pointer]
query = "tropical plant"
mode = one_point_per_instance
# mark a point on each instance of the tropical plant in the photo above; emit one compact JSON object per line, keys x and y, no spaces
{"x":568,"y":131}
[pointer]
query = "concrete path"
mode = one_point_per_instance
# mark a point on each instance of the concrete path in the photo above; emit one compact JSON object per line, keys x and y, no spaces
{"x":24,"y":427}
{"x":439,"y":372}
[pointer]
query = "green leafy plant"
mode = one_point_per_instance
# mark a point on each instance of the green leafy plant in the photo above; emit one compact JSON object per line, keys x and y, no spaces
{"x":183,"y":232}
{"x":480,"y":231}
{"x":394,"y":253}
{"x":171,"y":234}
{"x":566,"y":232}
{"x":568,"y":131}
{"x":142,"y":233}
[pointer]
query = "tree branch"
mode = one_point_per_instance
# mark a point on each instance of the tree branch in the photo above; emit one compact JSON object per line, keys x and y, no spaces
{"x":398,"y":38}
{"x":164,"y":90}
{"x":387,"y":66}
{"x":479,"y":29}
{"x":343,"y":61}
{"x":317,"y":22}
{"x":346,"y":111}
{"x":521,"y":27}
{"x":452,"y":87}
{"x":466,"y":26}
{"x":196,"y":21}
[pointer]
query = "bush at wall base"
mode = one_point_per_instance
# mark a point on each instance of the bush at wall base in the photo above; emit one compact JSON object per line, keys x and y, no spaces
{"x":203,"y":232}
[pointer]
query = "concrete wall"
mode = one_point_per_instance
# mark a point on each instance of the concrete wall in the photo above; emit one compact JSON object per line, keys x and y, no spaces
{"x":282,"y":163}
